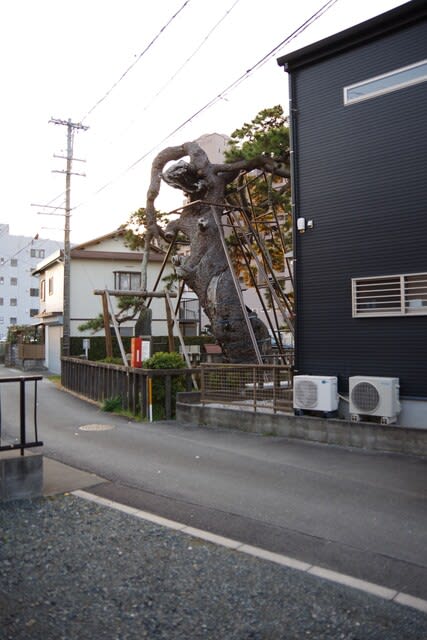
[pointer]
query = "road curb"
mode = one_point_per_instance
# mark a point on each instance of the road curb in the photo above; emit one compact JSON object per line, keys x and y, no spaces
{"x":371,"y":588}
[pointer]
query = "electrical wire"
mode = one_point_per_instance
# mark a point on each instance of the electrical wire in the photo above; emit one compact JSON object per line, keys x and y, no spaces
{"x":315,"y":16}
{"x":251,"y":70}
{"x":131,"y":66}
{"x":2,"y":264}
{"x":180,"y":68}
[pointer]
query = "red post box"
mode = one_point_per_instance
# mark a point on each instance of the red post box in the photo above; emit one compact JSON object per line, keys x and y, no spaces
{"x":136,"y":352}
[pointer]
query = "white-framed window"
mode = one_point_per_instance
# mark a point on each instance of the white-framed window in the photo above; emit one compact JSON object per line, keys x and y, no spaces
{"x":127,"y":280}
{"x":37,"y":253}
{"x":385,"y":83}
{"x":42,"y":289}
{"x":395,"y":295}
{"x":50,"y":283}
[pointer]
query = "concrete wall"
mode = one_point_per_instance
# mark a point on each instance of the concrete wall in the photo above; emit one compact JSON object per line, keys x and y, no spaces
{"x":20,"y":476}
{"x":365,"y":435}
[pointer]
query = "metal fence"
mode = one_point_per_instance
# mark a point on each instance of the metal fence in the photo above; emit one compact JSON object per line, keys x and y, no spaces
{"x":23,"y":441}
{"x":140,"y":390}
{"x":249,"y":386}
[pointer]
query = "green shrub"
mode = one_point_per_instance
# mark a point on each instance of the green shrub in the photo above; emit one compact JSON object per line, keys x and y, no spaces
{"x":112,"y":360}
{"x":163,"y":360}
{"x":112,"y":404}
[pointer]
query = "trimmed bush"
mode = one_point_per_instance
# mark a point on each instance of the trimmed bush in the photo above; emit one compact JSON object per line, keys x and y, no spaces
{"x":163,"y":360}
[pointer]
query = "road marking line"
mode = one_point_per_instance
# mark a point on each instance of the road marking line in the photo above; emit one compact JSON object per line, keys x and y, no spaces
{"x":332,"y":576}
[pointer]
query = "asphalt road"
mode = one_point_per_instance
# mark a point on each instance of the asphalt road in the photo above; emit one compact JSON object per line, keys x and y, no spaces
{"x":355,"y":512}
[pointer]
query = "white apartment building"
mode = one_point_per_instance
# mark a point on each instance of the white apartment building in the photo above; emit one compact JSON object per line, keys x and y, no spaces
{"x":19,"y":292}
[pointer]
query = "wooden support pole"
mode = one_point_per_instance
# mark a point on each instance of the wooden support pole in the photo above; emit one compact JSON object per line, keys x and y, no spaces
{"x":106,"y":314}
{"x":116,"y":329}
{"x":171,"y":341}
{"x":180,"y":336}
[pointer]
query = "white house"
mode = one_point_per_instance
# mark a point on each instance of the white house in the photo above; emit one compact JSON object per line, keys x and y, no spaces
{"x":102,"y":263}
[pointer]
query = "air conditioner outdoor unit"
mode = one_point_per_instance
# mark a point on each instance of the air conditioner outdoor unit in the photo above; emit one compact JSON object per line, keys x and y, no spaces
{"x":374,"y":396}
{"x":315,"y":393}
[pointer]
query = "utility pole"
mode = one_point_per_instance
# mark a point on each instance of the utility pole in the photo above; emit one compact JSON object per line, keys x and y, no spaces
{"x":71,"y":126}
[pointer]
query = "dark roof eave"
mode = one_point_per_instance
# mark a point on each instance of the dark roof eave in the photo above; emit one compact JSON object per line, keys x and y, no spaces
{"x":379,"y":25}
{"x":114,"y":255}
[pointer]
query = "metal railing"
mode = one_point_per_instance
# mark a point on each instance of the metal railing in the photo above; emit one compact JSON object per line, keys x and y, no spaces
{"x":136,"y":388}
{"x":249,"y":386}
{"x":23,"y":442}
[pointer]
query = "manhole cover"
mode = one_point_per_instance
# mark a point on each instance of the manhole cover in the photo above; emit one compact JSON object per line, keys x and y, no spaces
{"x":96,"y":427}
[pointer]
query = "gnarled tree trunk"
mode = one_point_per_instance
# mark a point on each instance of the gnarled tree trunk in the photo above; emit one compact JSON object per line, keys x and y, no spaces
{"x":206,"y":270}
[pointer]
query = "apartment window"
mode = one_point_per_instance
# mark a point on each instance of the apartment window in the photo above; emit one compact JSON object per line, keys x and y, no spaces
{"x":12,"y":321}
{"x":13,"y":262}
{"x":50,"y":286}
{"x":396,"y":295}
{"x":33,"y":312}
{"x":127,"y":281}
{"x":34,"y":293}
{"x":37,"y":253}
{"x":1,"y":279}
{"x":14,"y":282}
{"x":13,"y":302}
{"x":1,"y":319}
{"x":42,"y":289}
{"x":1,"y":302}
{"x":392,"y":81}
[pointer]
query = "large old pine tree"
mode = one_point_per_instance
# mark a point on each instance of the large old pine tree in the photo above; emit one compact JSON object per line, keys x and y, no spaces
{"x":263,"y":146}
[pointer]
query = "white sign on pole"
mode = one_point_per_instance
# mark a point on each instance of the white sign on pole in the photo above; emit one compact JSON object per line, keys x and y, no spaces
{"x":145,"y":346}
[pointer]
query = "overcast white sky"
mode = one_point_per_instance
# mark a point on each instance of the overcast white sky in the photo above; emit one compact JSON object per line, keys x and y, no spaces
{"x":59,"y":59}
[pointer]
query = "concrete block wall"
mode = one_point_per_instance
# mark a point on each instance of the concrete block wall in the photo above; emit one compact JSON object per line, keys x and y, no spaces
{"x":20,"y":476}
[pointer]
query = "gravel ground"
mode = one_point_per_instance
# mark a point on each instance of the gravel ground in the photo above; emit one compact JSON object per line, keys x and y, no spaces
{"x":71,"y":569}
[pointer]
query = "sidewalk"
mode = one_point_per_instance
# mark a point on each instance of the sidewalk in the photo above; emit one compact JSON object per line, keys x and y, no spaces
{"x":74,"y":569}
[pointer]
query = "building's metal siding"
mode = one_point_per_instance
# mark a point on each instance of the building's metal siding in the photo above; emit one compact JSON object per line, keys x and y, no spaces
{"x":361,"y":178}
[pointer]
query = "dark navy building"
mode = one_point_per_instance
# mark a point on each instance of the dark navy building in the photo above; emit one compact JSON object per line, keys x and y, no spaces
{"x":358,"y":117}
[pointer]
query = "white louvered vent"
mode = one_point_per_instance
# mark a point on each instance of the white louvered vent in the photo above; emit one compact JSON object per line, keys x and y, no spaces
{"x":394,"y":295}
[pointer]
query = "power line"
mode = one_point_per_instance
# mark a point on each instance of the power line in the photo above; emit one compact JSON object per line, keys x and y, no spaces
{"x":182,"y":66}
{"x":252,"y":69}
{"x":315,"y":16}
{"x":124,"y":74}
{"x":19,"y":251}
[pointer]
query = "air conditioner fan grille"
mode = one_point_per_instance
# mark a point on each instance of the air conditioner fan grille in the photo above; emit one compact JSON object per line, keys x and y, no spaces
{"x":365,"y":396}
{"x":306,"y":393}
